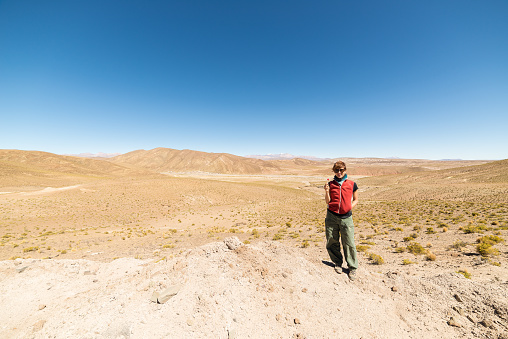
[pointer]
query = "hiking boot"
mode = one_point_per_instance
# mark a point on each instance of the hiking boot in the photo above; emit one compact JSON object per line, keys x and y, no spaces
{"x":338,"y":269}
{"x":352,"y":275}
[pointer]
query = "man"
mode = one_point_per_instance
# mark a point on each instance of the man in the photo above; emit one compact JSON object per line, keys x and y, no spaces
{"x":341,"y":197}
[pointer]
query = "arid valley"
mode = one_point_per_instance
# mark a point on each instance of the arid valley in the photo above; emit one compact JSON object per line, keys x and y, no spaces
{"x":88,"y":244}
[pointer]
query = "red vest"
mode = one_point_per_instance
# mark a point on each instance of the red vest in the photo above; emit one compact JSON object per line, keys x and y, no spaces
{"x":341,"y":196}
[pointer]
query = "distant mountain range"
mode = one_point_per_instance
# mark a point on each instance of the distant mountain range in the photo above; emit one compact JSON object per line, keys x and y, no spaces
{"x":35,"y":168}
{"x":284,"y":156}
{"x":99,"y":155}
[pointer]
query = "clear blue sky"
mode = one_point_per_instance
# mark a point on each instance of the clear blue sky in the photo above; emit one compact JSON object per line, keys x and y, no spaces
{"x":333,"y":78}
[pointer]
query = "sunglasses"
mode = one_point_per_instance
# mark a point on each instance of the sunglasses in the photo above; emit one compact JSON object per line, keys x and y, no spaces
{"x":340,"y":170}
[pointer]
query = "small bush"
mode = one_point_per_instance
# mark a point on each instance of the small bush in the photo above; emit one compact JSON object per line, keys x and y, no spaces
{"x":415,"y":248}
{"x":255,"y":233}
{"x":376,"y":259}
{"x":430,"y":230}
{"x":490,"y":239}
{"x":277,"y":236}
{"x":407,"y":262}
{"x":457,"y":245}
{"x":30,"y":249}
{"x":465,"y":273}
{"x":400,"y":249}
{"x":430,"y":256}
{"x":486,"y":250}
{"x":362,"y":248}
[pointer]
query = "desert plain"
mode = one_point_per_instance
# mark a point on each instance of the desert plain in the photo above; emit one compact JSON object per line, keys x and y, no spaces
{"x":88,"y":245}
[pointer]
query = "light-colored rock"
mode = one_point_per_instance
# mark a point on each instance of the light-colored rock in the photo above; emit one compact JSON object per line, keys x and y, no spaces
{"x":233,"y":243}
{"x":168,"y":293}
{"x":454,"y":322}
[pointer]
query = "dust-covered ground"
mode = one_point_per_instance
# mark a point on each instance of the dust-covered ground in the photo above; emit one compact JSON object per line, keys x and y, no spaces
{"x":230,"y":290}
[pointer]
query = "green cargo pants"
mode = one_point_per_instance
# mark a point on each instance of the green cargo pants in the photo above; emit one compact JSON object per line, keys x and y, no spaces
{"x":335,"y":229}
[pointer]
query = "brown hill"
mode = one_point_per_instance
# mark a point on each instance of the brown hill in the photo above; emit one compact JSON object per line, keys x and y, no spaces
{"x":492,"y":172}
{"x":487,"y":182}
{"x":34,"y":168}
{"x":167,"y":159}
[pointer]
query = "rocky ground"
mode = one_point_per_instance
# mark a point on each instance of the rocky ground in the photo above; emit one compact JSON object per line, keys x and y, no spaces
{"x":230,"y":290}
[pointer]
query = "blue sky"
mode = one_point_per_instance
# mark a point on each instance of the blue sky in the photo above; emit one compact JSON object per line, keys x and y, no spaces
{"x":412,"y":79}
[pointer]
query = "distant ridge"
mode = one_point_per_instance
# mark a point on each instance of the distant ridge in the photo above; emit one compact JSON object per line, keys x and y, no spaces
{"x":167,"y":160}
{"x":42,"y":168}
{"x":99,"y":155}
{"x":284,"y":156}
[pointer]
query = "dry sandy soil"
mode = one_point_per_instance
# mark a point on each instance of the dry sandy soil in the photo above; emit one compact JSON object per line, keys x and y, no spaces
{"x":245,"y":256}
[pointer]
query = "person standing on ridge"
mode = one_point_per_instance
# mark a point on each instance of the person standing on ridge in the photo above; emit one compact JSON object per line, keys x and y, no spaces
{"x":341,"y":195}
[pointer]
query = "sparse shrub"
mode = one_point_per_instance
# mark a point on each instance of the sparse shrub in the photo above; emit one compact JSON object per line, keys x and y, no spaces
{"x":168,"y":246}
{"x":415,"y":248}
{"x":362,"y":248}
{"x":490,"y":239}
{"x":407,"y":262}
{"x":305,"y":243}
{"x":430,"y":230}
{"x":486,"y":249}
{"x":430,"y":256}
{"x":255,"y":233}
{"x":445,"y":229}
{"x":398,"y":229}
{"x":376,"y":259}
{"x":408,"y":239}
{"x":457,"y":245}
{"x":277,"y":236}
{"x":400,"y":249}
{"x":465,"y":273}
{"x":246,"y":242}
{"x":368,"y":243}
{"x":30,"y":249}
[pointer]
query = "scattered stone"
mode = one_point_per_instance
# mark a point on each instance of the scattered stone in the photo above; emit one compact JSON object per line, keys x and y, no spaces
{"x":471,"y":319}
{"x":458,"y":298}
{"x":459,"y":310}
{"x":277,"y":317}
{"x":39,"y":325}
{"x":233,"y":243}
{"x":304,"y":290}
{"x":487,"y":323}
{"x":88,"y":273}
{"x":501,"y":311}
{"x":297,"y":321}
{"x":21,"y":269}
{"x":284,"y":274}
{"x":395,"y":288}
{"x":165,"y":295}
{"x":231,"y":334}
{"x":190,"y":322}
{"x":154,"y":297}
{"x":41,"y":307}
{"x":454,"y":322}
